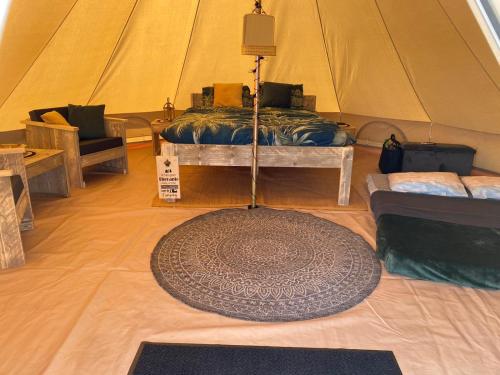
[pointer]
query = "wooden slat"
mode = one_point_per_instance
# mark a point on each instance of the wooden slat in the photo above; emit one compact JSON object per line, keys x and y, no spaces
{"x":47,"y":172}
{"x":11,"y":246}
{"x":6,"y":173}
{"x":101,"y":156}
{"x":117,"y":127}
{"x":302,"y":157}
{"x":13,"y":217}
{"x":215,"y":155}
{"x":15,"y":163}
{"x":345,"y":175}
{"x":269,"y":156}
{"x":43,"y":165}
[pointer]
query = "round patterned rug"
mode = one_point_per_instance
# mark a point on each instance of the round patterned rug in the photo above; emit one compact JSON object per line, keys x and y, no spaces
{"x":265,"y":265}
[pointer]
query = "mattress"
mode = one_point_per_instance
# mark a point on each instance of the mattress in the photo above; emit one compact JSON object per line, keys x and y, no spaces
{"x":444,"y":239}
{"x":234,"y":126}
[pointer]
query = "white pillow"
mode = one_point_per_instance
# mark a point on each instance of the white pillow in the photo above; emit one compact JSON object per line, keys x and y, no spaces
{"x":483,"y":187}
{"x":433,"y":183}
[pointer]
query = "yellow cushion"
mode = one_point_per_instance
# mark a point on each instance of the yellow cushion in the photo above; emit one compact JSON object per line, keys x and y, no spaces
{"x":54,"y":117}
{"x":228,"y":94}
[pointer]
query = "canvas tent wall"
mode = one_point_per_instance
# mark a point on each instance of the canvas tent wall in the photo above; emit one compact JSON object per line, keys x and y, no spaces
{"x":399,"y":61}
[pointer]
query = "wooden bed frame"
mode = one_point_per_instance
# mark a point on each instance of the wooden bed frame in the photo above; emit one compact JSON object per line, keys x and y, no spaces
{"x":269,"y":156}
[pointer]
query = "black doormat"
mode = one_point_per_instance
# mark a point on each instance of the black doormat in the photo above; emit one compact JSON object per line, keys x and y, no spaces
{"x":190,"y":359}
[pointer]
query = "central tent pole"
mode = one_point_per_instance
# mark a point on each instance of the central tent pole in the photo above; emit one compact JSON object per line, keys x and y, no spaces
{"x":258,"y":41}
{"x":255,"y":166}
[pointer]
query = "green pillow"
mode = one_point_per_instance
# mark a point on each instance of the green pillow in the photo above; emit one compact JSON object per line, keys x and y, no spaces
{"x":275,"y":95}
{"x":89,"y":119}
{"x":296,"y":95}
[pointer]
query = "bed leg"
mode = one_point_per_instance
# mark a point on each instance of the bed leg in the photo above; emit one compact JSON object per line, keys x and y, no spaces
{"x":345,"y":176}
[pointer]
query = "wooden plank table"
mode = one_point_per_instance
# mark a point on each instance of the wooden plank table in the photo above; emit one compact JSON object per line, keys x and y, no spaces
{"x":47,"y":172}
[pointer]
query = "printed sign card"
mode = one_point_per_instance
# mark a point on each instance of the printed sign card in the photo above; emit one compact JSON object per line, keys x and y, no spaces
{"x":167,"y":167}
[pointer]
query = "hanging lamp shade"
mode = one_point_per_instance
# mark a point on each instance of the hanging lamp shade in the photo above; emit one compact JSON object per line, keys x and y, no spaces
{"x":258,"y":35}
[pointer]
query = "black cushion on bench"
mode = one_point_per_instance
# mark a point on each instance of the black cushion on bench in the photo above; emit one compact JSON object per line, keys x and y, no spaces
{"x":36,"y":114}
{"x":17,"y":186}
{"x":90,"y":146}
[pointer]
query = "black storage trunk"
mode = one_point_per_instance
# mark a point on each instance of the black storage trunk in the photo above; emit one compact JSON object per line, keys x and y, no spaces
{"x":437,"y":157}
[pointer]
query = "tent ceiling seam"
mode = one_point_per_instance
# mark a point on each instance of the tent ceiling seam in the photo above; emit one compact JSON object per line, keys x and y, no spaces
{"x":187,"y":51}
{"x":401,"y":61}
{"x":330,"y":65}
{"x":113,"y":53}
{"x":468,"y":45}
{"x":39,"y":54}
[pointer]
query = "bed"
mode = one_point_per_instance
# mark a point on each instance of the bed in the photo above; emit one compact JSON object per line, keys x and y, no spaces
{"x":437,"y":238}
{"x":287,"y":138}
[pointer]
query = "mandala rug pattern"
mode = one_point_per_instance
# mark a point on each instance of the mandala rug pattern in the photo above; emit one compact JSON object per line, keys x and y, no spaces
{"x":265,"y":265}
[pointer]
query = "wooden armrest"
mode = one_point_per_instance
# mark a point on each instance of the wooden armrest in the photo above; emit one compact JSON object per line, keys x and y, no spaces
{"x":12,"y":159}
{"x":115,"y":127}
{"x":6,"y":173}
{"x":16,"y":150}
{"x":67,"y":128}
{"x":115,"y":119}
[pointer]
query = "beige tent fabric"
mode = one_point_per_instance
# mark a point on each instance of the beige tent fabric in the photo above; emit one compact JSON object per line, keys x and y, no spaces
{"x":147,"y":64}
{"x":26,"y":32}
{"x":301,"y":56}
{"x":408,"y":60}
{"x":368,"y":74}
{"x":214,"y":54}
{"x":463,"y":19}
{"x":454,"y":88}
{"x":69,"y":67}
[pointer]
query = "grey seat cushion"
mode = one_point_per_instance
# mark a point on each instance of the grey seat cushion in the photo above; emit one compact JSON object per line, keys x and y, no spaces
{"x":90,"y":146}
{"x":17,"y":186}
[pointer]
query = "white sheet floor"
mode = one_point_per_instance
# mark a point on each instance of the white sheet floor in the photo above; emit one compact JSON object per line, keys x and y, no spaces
{"x":86,"y":297}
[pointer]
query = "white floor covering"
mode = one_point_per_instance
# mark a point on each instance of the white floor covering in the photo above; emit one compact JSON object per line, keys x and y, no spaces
{"x":86,"y":297}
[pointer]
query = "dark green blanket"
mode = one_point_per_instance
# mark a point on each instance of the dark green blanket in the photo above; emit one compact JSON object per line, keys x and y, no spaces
{"x":440,"y":251}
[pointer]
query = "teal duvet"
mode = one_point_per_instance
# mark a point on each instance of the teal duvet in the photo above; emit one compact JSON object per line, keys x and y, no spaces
{"x":440,"y":251}
{"x":234,"y":126}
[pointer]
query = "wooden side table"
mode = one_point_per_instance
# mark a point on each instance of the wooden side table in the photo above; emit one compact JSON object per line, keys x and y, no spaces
{"x":157,"y":126}
{"x":47,"y":172}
